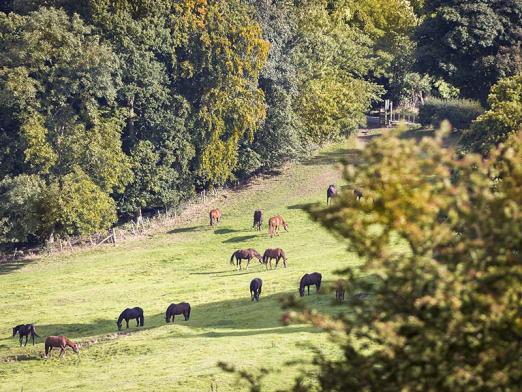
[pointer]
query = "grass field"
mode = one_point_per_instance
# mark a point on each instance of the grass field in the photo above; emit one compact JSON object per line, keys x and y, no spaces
{"x":82,"y":294}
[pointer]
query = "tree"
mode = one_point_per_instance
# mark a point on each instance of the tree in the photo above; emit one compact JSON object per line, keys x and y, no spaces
{"x":440,"y":239}
{"x":502,"y":119}
{"x":59,"y":119}
{"x":471,"y":44}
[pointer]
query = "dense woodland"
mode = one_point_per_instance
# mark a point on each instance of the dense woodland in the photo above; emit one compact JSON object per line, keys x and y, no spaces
{"x":108,"y":107}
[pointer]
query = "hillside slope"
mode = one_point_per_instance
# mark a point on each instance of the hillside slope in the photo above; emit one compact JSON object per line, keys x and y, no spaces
{"x":81,"y":296}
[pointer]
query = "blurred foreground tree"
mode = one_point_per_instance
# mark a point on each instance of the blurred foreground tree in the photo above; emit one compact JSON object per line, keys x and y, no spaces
{"x":444,"y":236}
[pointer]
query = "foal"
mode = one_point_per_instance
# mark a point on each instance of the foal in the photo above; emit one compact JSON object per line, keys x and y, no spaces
{"x":215,"y":216}
{"x":255,"y":289}
{"x":62,"y":342}
{"x":25,"y":330}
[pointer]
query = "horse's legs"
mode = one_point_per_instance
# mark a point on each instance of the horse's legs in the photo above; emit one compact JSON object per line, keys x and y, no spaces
{"x":127,"y":322}
{"x":26,"y":339}
{"x":62,"y":351}
{"x":248,"y":263}
{"x":308,"y":289}
{"x":20,"y":339}
{"x":137,"y":322}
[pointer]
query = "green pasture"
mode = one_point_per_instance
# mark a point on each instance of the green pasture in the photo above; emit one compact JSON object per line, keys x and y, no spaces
{"x":82,"y":294}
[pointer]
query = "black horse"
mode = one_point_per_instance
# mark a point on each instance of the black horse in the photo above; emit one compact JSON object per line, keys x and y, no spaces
{"x":25,"y":330}
{"x":258,"y":219}
{"x":308,"y":280}
{"x":255,"y":289}
{"x":174,"y":309}
{"x":331,"y":192}
{"x":358,"y":194}
{"x":131,"y":314}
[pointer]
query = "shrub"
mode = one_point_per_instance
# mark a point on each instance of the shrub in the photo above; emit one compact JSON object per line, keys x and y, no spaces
{"x":459,"y":112}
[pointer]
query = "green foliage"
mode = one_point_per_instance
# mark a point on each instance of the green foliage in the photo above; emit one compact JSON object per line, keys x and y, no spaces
{"x":446,"y":312}
{"x":503,"y":118}
{"x":459,"y":112}
{"x":472,"y":44}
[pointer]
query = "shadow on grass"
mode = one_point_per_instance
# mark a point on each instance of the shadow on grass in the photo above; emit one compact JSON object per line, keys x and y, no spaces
{"x":333,"y":157}
{"x":226,"y":231}
{"x":300,"y":206}
{"x":185,"y":230}
{"x":239,"y":239}
{"x":6,"y":267}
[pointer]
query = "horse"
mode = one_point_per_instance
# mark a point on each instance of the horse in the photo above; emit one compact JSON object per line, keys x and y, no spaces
{"x":215,"y":216}
{"x":255,"y":289}
{"x":331,"y":192}
{"x":308,"y":280}
{"x":358,"y":194}
{"x":25,"y":330}
{"x":274,"y":223}
{"x":339,"y":292}
{"x":62,"y":342}
{"x":276,"y":254}
{"x":173,"y":309}
{"x":244,"y":254}
{"x":130,"y":314}
{"x":258,"y":220}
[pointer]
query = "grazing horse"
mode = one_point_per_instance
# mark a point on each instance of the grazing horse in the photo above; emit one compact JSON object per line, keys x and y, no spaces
{"x":130,"y":314}
{"x":173,"y":309}
{"x":258,"y":220}
{"x":244,"y":254}
{"x":339,"y":292}
{"x":308,"y":280}
{"x":275,"y":223}
{"x":358,"y":194}
{"x":276,"y":254}
{"x":331,"y":192}
{"x":255,"y":289}
{"x":25,"y":330}
{"x":215,"y":216}
{"x":62,"y":342}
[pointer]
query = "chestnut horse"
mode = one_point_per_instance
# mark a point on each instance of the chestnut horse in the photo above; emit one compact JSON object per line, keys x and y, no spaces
{"x":339,"y":292}
{"x":174,"y":309}
{"x":25,"y":330}
{"x":258,"y":219}
{"x":215,"y":216}
{"x":255,"y":289}
{"x":244,"y":254}
{"x":60,"y":341}
{"x":331,"y":192}
{"x":276,"y":254}
{"x":308,"y":280}
{"x":275,"y":223}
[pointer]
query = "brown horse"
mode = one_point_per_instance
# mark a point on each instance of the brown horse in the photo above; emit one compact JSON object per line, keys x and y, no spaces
{"x":174,"y":309}
{"x":244,"y":254}
{"x":276,"y":254}
{"x":62,"y":342}
{"x":275,"y":223}
{"x":331,"y":192}
{"x":258,"y":219}
{"x":339,"y":291}
{"x":215,"y":216}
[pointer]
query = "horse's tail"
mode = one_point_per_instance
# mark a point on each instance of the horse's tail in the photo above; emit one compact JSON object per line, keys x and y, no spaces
{"x":188,"y":313}
{"x":34,"y":332}
{"x":142,"y":319}
{"x":210,"y":215}
{"x":232,"y":258}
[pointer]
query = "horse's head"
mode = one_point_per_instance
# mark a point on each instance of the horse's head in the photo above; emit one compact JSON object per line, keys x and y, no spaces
{"x":118,"y":323}
{"x":285,"y":225}
{"x":167,"y":318}
{"x":301,"y":291}
{"x":76,"y":348}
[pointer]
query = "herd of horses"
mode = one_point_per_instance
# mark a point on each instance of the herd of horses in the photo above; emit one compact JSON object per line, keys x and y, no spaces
{"x":276,"y":254}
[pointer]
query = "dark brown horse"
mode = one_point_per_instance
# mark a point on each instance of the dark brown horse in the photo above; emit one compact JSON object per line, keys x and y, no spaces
{"x":309,"y":280}
{"x":255,"y":289}
{"x":339,"y":291}
{"x":215,"y":216}
{"x":174,"y":309}
{"x":274,"y":254}
{"x":357,"y":193}
{"x":258,"y":220}
{"x":131,"y":314}
{"x":275,"y":223}
{"x":62,"y":342}
{"x":244,"y":254}
{"x":331,"y":192}
{"x":25,"y":330}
